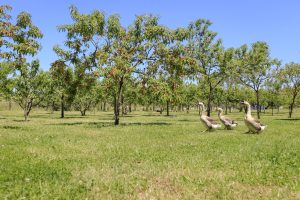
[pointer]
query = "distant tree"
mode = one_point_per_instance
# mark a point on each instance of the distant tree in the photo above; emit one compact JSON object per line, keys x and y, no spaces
{"x":252,"y":67}
{"x":62,"y":77}
{"x":291,"y":77}
{"x":6,"y":82}
{"x":191,"y":95}
{"x":274,"y":88}
{"x":30,"y":88}
{"x":88,"y":94}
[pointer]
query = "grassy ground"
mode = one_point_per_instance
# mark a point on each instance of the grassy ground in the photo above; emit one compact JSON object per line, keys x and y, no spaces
{"x":147,"y":157}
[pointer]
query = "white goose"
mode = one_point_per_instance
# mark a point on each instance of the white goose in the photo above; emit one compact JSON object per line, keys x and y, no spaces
{"x":254,"y":125}
{"x":228,"y":123}
{"x":208,"y":122}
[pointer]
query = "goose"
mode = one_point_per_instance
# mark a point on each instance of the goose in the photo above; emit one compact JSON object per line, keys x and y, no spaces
{"x":228,"y":123}
{"x":208,"y":122}
{"x":254,"y":125}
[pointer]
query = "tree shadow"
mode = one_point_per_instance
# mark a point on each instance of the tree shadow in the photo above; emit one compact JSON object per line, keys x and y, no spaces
{"x":75,"y":117}
{"x":109,"y":124}
{"x":287,"y":119}
{"x":12,"y":127}
{"x":145,"y":124}
{"x":20,"y":120}
{"x":67,"y":124}
{"x":187,"y":120}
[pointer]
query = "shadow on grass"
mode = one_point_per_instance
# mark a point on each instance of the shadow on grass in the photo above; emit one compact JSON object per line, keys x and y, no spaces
{"x":287,"y":119}
{"x":188,"y":120}
{"x":11,"y":127}
{"x":19,"y":120}
{"x":111,"y":124}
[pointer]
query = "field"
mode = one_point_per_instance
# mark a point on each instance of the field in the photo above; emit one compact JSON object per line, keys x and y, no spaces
{"x":148,"y":156}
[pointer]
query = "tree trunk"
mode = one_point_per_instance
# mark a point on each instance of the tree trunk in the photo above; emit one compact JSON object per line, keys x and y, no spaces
{"x":257,"y":104}
{"x":27,"y":108}
{"x":168,"y":112}
{"x":130,"y":107}
{"x":53,"y":107}
{"x":25,"y":113}
{"x":272,"y":109}
{"x":209,"y":101}
{"x":226,"y":107}
{"x":9,"y":105}
{"x":62,"y":114}
{"x":208,"y":106}
{"x":122,"y":105}
{"x":292,"y":106}
{"x":117,"y":101}
{"x":83,"y":112}
{"x":188,"y":109}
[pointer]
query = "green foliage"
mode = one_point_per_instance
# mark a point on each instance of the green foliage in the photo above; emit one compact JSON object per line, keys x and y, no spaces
{"x":290,"y":75}
{"x":30,"y":88}
{"x":213,"y":62}
{"x":20,"y":78}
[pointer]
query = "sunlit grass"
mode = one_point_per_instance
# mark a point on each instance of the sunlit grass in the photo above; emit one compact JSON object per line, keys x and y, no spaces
{"x":147,"y":156}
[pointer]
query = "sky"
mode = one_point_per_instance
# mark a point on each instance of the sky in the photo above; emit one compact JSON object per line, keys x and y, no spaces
{"x":237,"y":22}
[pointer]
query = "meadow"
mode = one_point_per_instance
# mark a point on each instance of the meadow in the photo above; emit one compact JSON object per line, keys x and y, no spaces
{"x":148,"y":156}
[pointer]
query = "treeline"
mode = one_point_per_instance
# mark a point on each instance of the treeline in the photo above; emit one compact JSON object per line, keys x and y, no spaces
{"x":146,"y":63}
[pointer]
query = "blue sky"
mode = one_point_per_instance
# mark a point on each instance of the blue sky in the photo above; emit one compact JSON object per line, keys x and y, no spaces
{"x":237,"y":22}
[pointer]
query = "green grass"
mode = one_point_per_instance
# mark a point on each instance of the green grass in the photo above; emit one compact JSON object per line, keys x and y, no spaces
{"x":147,"y":157}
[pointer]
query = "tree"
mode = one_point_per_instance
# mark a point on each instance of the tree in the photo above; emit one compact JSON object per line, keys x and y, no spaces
{"x":6,"y":33}
{"x":291,"y":77}
{"x":62,"y":77}
{"x":30,"y":88}
{"x":6,"y":82}
{"x":22,"y":44}
{"x":274,"y":88}
{"x":172,"y":64}
{"x":126,"y":51}
{"x":88,"y":94}
{"x":191,"y":95}
{"x":213,"y":63}
{"x":252,"y":67}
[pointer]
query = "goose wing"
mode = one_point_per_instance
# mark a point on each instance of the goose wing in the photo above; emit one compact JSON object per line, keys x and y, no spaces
{"x":228,"y":121}
{"x":258,"y":122}
{"x":211,"y":120}
{"x":255,"y":124}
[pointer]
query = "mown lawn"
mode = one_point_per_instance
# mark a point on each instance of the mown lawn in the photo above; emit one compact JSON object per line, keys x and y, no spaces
{"x":147,"y":157}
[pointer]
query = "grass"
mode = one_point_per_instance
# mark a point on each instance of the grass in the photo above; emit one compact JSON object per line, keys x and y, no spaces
{"x":147,"y":157}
